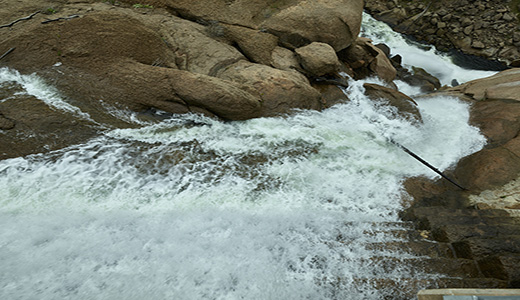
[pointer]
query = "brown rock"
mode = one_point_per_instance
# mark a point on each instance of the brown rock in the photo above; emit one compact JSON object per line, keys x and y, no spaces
{"x":43,"y":128}
{"x":504,"y":266}
{"x":367,"y":59}
{"x":194,"y":49}
{"x":504,"y":85}
{"x":477,"y":248}
{"x":257,"y":46}
{"x":6,"y":123}
{"x":478,"y":45}
{"x":284,"y":59}
{"x":487,"y":169}
{"x":330,"y":94}
{"x":182,"y":91}
{"x":498,"y":120}
{"x":280,"y":91}
{"x":334,"y":22}
{"x":405,"y":105}
{"x":318,"y":59}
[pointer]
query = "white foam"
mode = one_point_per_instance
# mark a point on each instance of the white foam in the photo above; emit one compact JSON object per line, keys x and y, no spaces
{"x":195,"y":208}
{"x":434,"y":62}
{"x":34,"y":86}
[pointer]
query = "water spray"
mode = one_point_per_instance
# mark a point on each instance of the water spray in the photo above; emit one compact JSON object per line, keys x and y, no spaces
{"x":417,"y":157}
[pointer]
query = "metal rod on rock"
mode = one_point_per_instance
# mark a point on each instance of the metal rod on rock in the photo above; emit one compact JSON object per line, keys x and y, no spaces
{"x":417,"y":157}
{"x":5,"y":54}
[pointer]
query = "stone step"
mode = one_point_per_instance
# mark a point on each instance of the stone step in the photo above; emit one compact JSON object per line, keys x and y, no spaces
{"x":463,"y":268}
{"x":432,"y":217}
{"x":504,"y":267}
{"x":453,"y":212}
{"x":454,"y":233}
{"x":417,"y":248}
{"x":478,"y":248}
{"x":431,"y":283}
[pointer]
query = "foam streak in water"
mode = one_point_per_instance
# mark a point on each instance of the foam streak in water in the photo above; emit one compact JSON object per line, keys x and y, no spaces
{"x":34,"y":86}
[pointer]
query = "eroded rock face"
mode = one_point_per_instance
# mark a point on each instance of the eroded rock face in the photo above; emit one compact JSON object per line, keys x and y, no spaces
{"x":225,"y":65}
{"x":172,"y":67}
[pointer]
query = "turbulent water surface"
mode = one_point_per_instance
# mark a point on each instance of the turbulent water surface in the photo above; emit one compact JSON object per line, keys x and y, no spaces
{"x":193,"y":208}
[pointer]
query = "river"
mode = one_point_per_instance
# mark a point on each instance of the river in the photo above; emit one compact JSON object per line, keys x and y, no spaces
{"x":194,"y":208}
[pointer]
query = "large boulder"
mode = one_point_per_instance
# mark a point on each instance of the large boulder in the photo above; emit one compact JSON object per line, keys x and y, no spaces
{"x":280,"y":91}
{"x":498,"y":120}
{"x":158,"y":61}
{"x":335,"y":22}
{"x":284,"y":59}
{"x":318,"y":59}
{"x":488,"y":168}
{"x":194,"y":46}
{"x":295,"y":22}
{"x":178,"y":90}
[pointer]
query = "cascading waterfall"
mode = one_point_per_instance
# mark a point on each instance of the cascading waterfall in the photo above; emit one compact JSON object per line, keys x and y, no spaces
{"x":194,"y":208}
{"x":420,"y":55}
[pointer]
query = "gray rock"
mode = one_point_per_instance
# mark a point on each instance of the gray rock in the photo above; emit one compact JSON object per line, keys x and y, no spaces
{"x":478,"y":45}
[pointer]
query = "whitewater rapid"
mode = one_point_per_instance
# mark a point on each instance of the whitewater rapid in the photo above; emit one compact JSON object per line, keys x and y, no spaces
{"x":195,"y":208}
{"x":415,"y":54}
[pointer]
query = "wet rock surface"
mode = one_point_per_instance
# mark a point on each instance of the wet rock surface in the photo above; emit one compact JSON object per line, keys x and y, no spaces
{"x":487,"y":239}
{"x":481,"y":223}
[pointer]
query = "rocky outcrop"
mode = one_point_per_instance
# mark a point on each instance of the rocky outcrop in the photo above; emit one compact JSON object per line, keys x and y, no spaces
{"x":482,"y":222}
{"x":296,"y":23}
{"x":405,"y":106}
{"x":158,"y":60}
{"x":482,"y":28}
{"x":233,"y":60}
{"x":334,"y":22}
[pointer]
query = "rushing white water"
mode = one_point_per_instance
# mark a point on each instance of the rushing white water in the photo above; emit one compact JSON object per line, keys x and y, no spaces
{"x":262,"y":209}
{"x":194,"y":208}
{"x":427,"y":57}
{"x":34,"y":86}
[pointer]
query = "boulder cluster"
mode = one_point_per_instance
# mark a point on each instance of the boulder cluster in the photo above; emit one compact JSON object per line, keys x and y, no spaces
{"x":486,"y":28}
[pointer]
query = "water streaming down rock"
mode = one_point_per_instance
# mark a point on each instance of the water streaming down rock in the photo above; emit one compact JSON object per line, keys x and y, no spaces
{"x":418,"y":54}
{"x":193,"y":208}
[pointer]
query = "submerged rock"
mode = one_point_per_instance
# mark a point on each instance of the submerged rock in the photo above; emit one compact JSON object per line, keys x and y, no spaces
{"x":406,"y":106}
